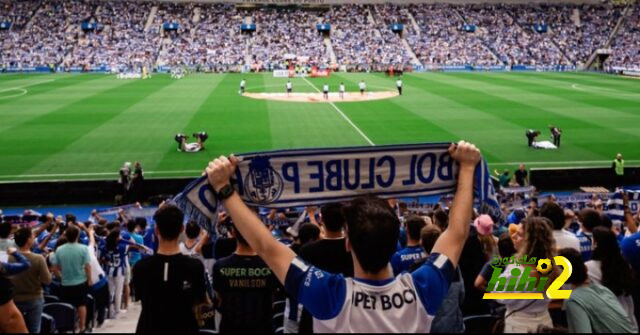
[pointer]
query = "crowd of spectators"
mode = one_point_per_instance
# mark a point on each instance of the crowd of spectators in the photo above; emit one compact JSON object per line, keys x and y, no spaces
{"x":48,"y":33}
{"x":208,"y":47}
{"x":250,"y":276}
{"x":358,"y":42}
{"x":17,"y":12}
{"x":119,"y":40}
{"x":441,"y":40}
{"x":285,"y":34}
{"x":626,"y":44}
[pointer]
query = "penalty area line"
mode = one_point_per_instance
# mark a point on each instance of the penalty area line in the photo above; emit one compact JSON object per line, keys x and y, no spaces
{"x":345,"y":117}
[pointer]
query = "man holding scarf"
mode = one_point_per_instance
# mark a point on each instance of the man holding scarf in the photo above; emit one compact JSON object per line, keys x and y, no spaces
{"x":374,"y":300}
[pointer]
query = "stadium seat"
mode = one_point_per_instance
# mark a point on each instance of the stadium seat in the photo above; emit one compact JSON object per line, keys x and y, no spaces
{"x":278,"y":320}
{"x":278,"y":315}
{"x":64,"y":315}
{"x":47,"y":324}
{"x":206,"y":331}
{"x":50,"y":298}
{"x":477,"y":324}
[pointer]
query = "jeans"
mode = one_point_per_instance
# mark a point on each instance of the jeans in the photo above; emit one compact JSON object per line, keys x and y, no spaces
{"x":32,"y":312}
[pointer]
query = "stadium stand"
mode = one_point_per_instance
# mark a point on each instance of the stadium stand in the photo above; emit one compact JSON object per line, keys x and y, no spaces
{"x":208,"y":35}
{"x":124,"y":35}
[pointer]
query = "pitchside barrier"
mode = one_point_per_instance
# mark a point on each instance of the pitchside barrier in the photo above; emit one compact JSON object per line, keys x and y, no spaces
{"x":104,"y":191}
{"x":553,"y":179}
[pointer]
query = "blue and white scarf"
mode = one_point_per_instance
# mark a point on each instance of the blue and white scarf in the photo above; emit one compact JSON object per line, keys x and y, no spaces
{"x":289,"y":178}
{"x":615,"y":206}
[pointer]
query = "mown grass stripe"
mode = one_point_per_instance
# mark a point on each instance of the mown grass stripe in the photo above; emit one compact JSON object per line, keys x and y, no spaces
{"x":51,"y":133}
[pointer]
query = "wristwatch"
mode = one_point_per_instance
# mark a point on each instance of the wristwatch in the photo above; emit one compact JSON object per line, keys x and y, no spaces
{"x":225,"y":192}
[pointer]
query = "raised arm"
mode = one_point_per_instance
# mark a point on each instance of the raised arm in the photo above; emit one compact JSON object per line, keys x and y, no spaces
{"x":453,"y":238}
{"x":277,"y":256}
{"x":21,"y":263}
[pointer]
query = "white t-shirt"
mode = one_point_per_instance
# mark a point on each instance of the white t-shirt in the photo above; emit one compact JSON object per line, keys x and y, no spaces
{"x":242,"y":83}
{"x":399,"y":83}
{"x":362,"y":85}
{"x":341,"y":88}
{"x":325,"y":88}
{"x":96,"y":269}
{"x":289,"y":85}
{"x":406,"y":303}
{"x":566,"y":239}
{"x":539,"y":305}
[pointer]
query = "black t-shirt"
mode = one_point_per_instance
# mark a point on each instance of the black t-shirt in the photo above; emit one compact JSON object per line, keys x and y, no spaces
{"x":329,"y":255}
{"x":520,"y":176}
{"x":471,"y":263}
{"x":246,"y":287}
{"x":6,"y":290}
{"x":169,"y":287}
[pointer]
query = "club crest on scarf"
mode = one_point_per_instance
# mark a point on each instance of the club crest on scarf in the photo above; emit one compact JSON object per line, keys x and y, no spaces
{"x":262,"y":183}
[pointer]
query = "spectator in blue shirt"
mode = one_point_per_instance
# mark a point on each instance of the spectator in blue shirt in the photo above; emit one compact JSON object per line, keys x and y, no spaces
{"x":403,"y":259}
{"x":375,"y":299}
{"x":589,"y":219}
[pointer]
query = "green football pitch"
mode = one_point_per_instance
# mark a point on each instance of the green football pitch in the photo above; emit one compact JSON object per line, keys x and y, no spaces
{"x":84,"y":126}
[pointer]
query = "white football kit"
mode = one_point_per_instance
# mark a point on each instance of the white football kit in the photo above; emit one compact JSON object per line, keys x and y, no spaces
{"x":406,"y":303}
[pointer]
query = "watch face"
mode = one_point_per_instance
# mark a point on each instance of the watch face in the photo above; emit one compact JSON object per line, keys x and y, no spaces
{"x":226,"y":191}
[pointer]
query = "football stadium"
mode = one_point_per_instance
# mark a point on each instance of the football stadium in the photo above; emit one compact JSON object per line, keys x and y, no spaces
{"x":285,"y":166}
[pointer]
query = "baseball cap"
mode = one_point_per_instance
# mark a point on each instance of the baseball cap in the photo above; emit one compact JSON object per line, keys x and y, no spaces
{"x":484,"y":224}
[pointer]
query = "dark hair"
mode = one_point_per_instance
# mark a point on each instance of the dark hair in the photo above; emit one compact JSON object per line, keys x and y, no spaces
{"x":62,"y":240}
{"x":373,"y":230}
{"x":308,"y":232}
{"x":579,"y":271}
{"x":239,"y":238}
{"x":414,"y":225}
{"x":192,"y":230}
{"x":332,"y":217}
{"x":616,"y":274}
{"x":5,"y":229}
{"x":428,"y":237}
{"x":72,"y":233}
{"x":131,"y":226}
{"x":100,"y":231}
{"x":70,"y":218}
{"x":112,"y":225}
{"x":441,"y":219}
{"x":554,"y":213}
{"x":142,"y":222}
{"x":505,"y":245}
{"x":169,"y":220}
{"x":112,"y":240}
{"x":590,"y":218}
{"x":605,"y":221}
{"x":22,"y":236}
